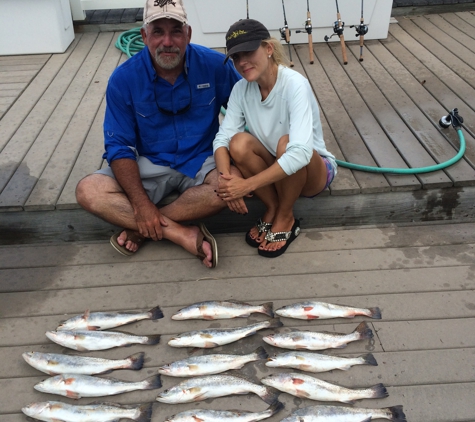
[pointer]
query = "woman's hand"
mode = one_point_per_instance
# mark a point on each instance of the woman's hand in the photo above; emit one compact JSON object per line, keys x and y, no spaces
{"x":232,"y":189}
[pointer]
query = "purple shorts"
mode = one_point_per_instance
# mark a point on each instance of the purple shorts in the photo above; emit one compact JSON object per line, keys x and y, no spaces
{"x":330,"y":175}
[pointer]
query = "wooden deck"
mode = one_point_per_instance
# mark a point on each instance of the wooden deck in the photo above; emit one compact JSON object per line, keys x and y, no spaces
{"x":383,"y":111}
{"x":422,"y":277}
{"x":419,"y":271}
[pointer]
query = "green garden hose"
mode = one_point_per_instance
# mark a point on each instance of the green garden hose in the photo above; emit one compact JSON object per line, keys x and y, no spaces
{"x":452,"y":118}
{"x":130,"y":42}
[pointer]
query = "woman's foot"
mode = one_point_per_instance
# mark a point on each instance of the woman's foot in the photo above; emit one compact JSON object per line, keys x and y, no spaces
{"x":279,"y":238}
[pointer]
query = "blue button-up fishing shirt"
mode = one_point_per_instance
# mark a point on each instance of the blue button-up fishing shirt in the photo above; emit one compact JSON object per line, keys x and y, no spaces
{"x":139,"y":117}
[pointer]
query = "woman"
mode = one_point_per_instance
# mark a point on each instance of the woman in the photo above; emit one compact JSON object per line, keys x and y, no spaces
{"x":283,"y":155}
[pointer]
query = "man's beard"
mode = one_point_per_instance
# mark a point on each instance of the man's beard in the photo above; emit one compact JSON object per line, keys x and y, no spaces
{"x":168,"y":62}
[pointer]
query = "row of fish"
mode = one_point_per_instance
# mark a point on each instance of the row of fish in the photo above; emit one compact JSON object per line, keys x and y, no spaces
{"x":78,"y":333}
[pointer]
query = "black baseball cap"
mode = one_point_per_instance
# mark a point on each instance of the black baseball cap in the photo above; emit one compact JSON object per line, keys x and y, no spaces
{"x":245,"y":35}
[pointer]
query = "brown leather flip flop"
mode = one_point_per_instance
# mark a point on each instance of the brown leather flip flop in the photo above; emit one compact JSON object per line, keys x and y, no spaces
{"x":206,"y":235}
{"x":131,"y":235}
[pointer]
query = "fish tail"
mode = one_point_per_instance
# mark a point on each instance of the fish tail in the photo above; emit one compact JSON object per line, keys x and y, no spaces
{"x":267,"y":308}
{"x":274,"y":323}
{"x":375,"y":313}
{"x":153,"y":382}
{"x":261,"y":353}
{"x":145,"y":414}
{"x":136,"y":361}
{"x":275,"y":407}
{"x":271,"y":395}
{"x":153,"y":339}
{"x":363,"y":331}
{"x":369,"y":359}
{"x":379,"y":391}
{"x":396,"y":414}
{"x":155,"y":313}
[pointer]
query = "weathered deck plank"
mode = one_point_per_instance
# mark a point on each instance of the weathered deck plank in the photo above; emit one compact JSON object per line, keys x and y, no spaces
{"x":422,"y":278}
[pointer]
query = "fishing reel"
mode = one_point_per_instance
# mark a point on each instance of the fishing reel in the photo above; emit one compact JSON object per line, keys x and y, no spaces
{"x":361,"y":29}
{"x":285,"y":33}
{"x":452,"y":118}
{"x":337,"y":30}
{"x":307,"y":26}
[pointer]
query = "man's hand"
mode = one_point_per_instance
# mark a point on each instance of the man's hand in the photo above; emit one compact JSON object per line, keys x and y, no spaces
{"x":149,"y":220}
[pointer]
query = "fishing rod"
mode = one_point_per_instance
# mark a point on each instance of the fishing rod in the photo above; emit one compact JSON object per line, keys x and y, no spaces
{"x":361,"y":30}
{"x":338,"y":28}
{"x":308,"y":29}
{"x":285,"y":34}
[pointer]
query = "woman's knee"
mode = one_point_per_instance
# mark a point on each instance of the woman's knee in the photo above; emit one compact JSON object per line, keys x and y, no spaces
{"x":240,"y":145}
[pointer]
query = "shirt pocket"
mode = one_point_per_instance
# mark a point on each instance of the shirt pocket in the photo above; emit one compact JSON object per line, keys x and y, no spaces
{"x":153,"y":127}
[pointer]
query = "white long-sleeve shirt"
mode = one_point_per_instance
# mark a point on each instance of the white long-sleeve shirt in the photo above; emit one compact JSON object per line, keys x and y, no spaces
{"x":290,"y":108}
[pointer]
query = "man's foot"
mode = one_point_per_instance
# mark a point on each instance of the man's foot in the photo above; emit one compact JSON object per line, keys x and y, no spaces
{"x":202,"y":244}
{"x":127,"y":242}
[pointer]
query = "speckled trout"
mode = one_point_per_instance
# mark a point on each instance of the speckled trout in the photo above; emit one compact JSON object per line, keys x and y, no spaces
{"x":313,"y":340}
{"x":219,"y":336}
{"x":104,"y":320}
{"x":210,"y":364}
{"x":324,"y":413}
{"x":308,"y":387}
{"x":322,"y":310}
{"x":54,"y":364}
{"x":84,"y":340}
{"x":203,"y":415}
{"x":317,"y":362}
{"x":57,"y":411}
{"x":77,"y":386}
{"x":211,"y":386}
{"x":222,"y":309}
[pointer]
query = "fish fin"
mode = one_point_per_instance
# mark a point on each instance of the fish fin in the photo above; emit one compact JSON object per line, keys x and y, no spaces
{"x":305,"y":367}
{"x":276,"y":407}
{"x":68,"y":381}
{"x":275,"y":323}
{"x":73,"y":395}
{"x":238,"y":302}
{"x":397,"y":414}
{"x":364,"y":331}
{"x":261,"y":353}
{"x":271,"y":395}
{"x":197,"y":419}
{"x":268,"y":309}
{"x":193,"y":367}
{"x":153,"y":382}
{"x":379,"y":391}
{"x":153,"y":339}
{"x":369,"y":359}
{"x":312,"y":317}
{"x":210,"y":345}
{"x":208,"y":317}
{"x":300,"y":347}
{"x":136,"y":361}
{"x":93,"y":328}
{"x":80,"y":348}
{"x":145,"y":413}
{"x":308,"y":308}
{"x":85,"y":316}
{"x":297,"y":381}
{"x":155,"y":313}
{"x":302,"y":393}
{"x":375,"y":313}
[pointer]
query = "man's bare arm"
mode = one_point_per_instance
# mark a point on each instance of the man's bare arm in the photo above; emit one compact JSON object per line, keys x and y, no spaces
{"x":148,"y":217}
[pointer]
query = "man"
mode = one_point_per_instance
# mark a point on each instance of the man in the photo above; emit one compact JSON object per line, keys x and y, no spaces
{"x":160,"y":122}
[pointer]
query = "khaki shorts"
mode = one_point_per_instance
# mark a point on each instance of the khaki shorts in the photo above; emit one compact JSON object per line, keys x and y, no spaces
{"x":160,"y":181}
